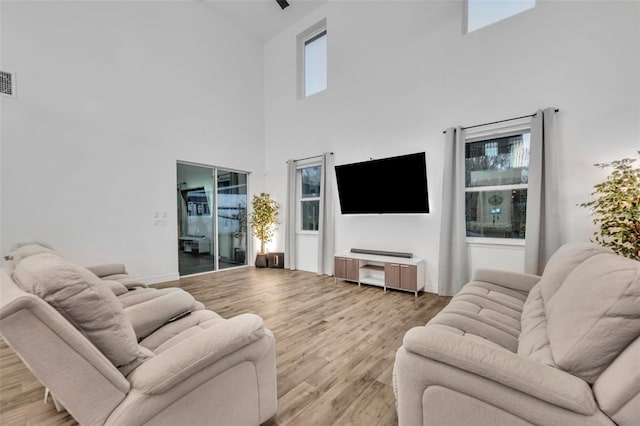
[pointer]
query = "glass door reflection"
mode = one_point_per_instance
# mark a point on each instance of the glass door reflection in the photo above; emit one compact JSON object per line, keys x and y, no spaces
{"x":232,"y":218}
{"x":196,"y":242}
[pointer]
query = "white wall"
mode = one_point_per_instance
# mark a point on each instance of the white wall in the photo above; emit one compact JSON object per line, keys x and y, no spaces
{"x":110,"y":95}
{"x":401,"y":72}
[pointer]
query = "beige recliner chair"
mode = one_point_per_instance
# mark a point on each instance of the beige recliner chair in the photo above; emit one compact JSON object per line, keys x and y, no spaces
{"x":517,"y":349}
{"x":134,"y":356}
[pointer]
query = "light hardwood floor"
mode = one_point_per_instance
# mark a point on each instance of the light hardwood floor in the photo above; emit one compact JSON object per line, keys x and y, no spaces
{"x":336,"y":345}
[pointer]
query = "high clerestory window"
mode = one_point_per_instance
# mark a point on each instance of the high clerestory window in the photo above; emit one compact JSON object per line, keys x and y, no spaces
{"x":482,"y":13}
{"x":312,"y":60}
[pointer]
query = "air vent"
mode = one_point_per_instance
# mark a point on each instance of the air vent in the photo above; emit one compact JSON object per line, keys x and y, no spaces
{"x":7,"y":84}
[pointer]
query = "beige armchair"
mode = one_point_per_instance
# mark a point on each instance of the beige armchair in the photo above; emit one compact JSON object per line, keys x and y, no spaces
{"x":195,"y":368}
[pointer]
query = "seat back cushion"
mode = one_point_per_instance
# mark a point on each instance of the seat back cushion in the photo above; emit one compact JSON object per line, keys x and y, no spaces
{"x":22,"y":251}
{"x":562,"y":262}
{"x":617,"y":390}
{"x":86,"y":302}
{"x":594,"y":315}
{"x":533,"y":341}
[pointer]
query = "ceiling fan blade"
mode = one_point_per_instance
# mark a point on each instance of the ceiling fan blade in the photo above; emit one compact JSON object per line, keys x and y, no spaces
{"x":283,"y":3}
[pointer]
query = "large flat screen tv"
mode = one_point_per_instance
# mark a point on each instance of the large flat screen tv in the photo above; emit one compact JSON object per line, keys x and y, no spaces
{"x":396,"y":185}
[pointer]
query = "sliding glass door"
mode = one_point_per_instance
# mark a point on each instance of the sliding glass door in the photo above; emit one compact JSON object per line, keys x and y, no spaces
{"x":232,"y":219}
{"x":212,"y":218}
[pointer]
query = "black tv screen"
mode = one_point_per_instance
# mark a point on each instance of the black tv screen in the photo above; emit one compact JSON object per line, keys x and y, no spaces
{"x":393,"y":185}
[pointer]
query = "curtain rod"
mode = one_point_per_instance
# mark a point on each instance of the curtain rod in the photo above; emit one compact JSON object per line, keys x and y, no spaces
{"x":499,"y":121}
{"x":309,"y":158}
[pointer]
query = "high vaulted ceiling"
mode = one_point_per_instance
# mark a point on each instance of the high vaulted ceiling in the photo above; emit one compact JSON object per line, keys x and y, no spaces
{"x":264,"y":18}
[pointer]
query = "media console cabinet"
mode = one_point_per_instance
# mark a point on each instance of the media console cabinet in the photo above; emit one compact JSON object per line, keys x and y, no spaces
{"x":398,"y":273}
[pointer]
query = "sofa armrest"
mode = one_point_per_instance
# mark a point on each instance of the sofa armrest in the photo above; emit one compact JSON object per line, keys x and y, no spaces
{"x":502,"y":366}
{"x":192,"y":355}
{"x":108,"y":269}
{"x":513,"y":280}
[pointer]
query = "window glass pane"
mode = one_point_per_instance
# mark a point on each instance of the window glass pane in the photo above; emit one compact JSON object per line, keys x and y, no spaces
{"x":481,"y":13}
{"x":310,"y":181}
{"x":310,"y":215}
{"x":496,"y":214}
{"x":502,"y":161}
{"x":315,"y":65}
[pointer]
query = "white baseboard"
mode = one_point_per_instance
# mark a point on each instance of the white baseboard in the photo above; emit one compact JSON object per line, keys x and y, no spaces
{"x":431,"y":288}
{"x":157,"y":279}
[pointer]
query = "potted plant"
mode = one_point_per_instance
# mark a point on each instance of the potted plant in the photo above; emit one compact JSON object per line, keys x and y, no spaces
{"x":616,"y":208}
{"x":263,"y":220}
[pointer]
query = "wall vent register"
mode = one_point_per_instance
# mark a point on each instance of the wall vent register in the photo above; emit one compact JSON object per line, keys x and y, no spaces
{"x":7,"y":84}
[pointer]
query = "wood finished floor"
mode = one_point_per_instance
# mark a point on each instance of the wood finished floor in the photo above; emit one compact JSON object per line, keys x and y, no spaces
{"x":336,"y":345}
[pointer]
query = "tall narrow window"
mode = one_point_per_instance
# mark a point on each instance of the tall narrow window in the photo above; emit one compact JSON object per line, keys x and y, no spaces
{"x":496,"y":180}
{"x":312,"y":60}
{"x":315,"y":64}
{"x":482,"y":13}
{"x":310,"y":198}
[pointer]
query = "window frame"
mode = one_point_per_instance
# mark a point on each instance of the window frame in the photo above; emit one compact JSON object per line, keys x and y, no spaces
{"x":300,"y":199}
{"x":304,"y":38}
{"x":495,"y":132}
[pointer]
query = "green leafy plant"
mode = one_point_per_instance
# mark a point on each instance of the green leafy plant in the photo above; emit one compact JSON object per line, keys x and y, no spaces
{"x":264,"y":218}
{"x":616,"y":208}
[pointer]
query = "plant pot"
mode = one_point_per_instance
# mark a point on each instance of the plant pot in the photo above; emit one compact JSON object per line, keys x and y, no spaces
{"x":261,"y":261}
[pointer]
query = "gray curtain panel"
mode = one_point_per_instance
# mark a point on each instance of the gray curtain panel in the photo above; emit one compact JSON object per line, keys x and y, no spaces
{"x":290,"y":217}
{"x":453,"y":269}
{"x":326,"y":234}
{"x":544,"y":230}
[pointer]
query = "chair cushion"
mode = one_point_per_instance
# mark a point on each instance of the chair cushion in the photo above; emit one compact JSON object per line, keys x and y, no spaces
{"x":484,"y":312}
{"x":562,"y":262}
{"x":126,"y":280}
{"x":175,"y":332}
{"x":86,"y":302}
{"x":148,"y":309}
{"x":595,"y":314}
{"x":117,"y":288}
